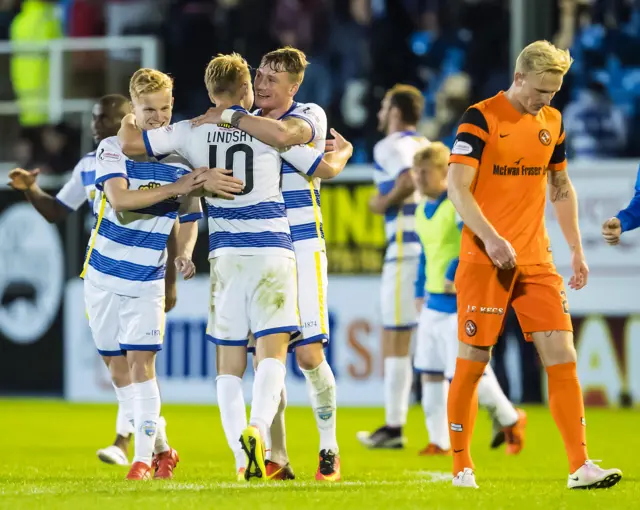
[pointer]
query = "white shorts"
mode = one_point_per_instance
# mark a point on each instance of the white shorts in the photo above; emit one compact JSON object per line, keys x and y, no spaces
{"x":398,"y":294}
{"x":251,"y":293}
{"x":124,"y":323}
{"x":437,"y":343}
{"x":312,"y":298}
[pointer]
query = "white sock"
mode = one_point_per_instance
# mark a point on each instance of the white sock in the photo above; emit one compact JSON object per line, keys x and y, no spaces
{"x":321,"y":385}
{"x":233,"y":413}
{"x":124,"y":420}
{"x":161,"y":443}
{"x":277,"y":442}
{"x":267,"y":387}
{"x":397,"y":387}
{"x":146,"y":414}
{"x":490,"y":395}
{"x":434,"y":404}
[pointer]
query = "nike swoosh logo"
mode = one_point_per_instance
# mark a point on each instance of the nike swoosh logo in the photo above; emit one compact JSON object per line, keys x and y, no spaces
{"x":458,"y":451}
{"x":503,"y":136}
{"x":518,"y":162}
{"x":575,"y":478}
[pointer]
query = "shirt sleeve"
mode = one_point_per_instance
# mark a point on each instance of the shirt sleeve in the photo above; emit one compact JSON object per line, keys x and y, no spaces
{"x":190,"y":210}
{"x":304,"y":158}
{"x":73,"y":195}
{"x":168,"y":139}
{"x":558,"y":159}
{"x":394,"y":161}
{"x":630,"y":216}
{"x":471,"y":137}
{"x":315,"y":116}
{"x":110,"y":162}
{"x":421,"y":279}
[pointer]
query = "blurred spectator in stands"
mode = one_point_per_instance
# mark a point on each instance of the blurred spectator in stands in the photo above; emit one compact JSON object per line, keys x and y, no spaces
{"x":85,"y":18}
{"x":54,"y":150}
{"x":452,"y":100}
{"x":131,"y":17}
{"x":8,"y":10}
{"x":303,"y":24}
{"x":36,"y":22}
{"x":595,"y":126}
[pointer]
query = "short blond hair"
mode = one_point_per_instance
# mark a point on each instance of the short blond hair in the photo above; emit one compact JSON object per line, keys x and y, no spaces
{"x":543,"y":57}
{"x":148,"y":81}
{"x":226,"y":73}
{"x":287,"y":60}
{"x":436,"y":153}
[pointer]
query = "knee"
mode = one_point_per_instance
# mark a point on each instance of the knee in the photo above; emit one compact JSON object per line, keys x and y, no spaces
{"x":119,"y":370}
{"x":141,"y":365}
{"x":309,"y":356}
{"x":556,"y":348}
{"x":474,"y":353}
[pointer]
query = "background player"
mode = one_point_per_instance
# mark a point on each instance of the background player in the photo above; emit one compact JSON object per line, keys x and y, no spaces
{"x":439,"y":226}
{"x":626,"y":220}
{"x":281,"y":122}
{"x":106,"y":116}
{"x":401,"y":109}
{"x":507,"y":148}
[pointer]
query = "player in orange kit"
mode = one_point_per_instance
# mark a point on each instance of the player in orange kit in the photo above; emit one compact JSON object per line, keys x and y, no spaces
{"x":507,"y":150}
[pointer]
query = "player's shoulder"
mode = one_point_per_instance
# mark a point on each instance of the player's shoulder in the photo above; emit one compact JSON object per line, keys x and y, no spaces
{"x":110,"y":150}
{"x":309,"y":110}
{"x":553,"y":117}
{"x":86,"y":162}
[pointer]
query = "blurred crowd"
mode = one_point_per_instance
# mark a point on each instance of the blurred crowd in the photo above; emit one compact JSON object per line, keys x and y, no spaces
{"x":455,"y":51}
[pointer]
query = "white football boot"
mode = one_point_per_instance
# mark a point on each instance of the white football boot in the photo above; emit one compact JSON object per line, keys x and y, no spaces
{"x":465,"y":478}
{"x":113,"y":455}
{"x":592,"y":476}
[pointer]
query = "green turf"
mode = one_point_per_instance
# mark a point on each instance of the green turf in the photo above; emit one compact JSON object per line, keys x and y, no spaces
{"x":47,"y":460}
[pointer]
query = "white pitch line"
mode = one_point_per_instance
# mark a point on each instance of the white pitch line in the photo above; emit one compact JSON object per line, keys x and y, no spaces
{"x":414,"y":478}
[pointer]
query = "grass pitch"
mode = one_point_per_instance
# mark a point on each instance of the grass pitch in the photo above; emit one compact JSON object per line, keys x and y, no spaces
{"x":47,"y":460}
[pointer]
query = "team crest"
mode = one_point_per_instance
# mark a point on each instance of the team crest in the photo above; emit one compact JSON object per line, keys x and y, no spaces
{"x":470,"y":328}
{"x":544,"y":136}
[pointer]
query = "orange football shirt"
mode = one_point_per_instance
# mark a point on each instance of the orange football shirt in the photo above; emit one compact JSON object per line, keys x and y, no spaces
{"x":511,"y":153}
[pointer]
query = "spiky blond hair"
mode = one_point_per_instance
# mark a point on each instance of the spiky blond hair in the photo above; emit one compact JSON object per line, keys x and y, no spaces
{"x":543,"y":57}
{"x":225,"y":74}
{"x":147,"y":81}
{"x":436,"y":153}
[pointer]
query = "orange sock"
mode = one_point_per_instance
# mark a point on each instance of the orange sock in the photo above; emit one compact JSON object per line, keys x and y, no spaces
{"x":462,"y":408}
{"x":567,"y":409}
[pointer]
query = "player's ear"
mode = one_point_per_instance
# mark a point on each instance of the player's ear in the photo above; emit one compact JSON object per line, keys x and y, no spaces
{"x":518,"y":78}
{"x":294,"y":89}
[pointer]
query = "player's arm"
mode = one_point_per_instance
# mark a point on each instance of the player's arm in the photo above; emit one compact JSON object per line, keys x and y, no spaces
{"x":292,"y":130}
{"x":402,"y":189}
{"x":565,"y":204}
{"x":170,"y":275}
{"x":49,"y":207}
{"x":190,"y":213}
{"x":472,"y":135}
{"x":130,"y":136}
{"x":314,"y":163}
{"x":625,"y":220}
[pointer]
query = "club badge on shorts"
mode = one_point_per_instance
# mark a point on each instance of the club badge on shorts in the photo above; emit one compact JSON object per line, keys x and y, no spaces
{"x":470,"y":328}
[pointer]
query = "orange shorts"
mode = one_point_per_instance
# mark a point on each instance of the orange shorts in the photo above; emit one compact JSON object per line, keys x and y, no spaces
{"x":485,"y":292}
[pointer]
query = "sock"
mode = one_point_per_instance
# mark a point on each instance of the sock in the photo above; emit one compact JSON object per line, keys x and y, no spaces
{"x":434,"y":404}
{"x":462,"y":408}
{"x":161,"y":443}
{"x":124,"y":420}
{"x":567,"y":409}
{"x":267,"y":387}
{"x":398,"y":374}
{"x":490,"y":395}
{"x":278,"y":436}
{"x":321,"y":386}
{"x":146,"y":413}
{"x":233,"y":414}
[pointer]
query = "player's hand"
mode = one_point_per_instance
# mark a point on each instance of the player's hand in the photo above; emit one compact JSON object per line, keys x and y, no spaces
{"x":378,"y":204}
{"x":185,"y":266}
{"x":340,"y":143}
{"x":611,"y":230}
{"x":449,"y":287}
{"x":170,"y":295}
{"x":22,"y":180}
{"x":189,"y":182}
{"x":222,"y":182}
{"x":580,"y":270}
{"x":501,"y":252}
{"x":129,"y":120}
{"x":213,"y":116}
